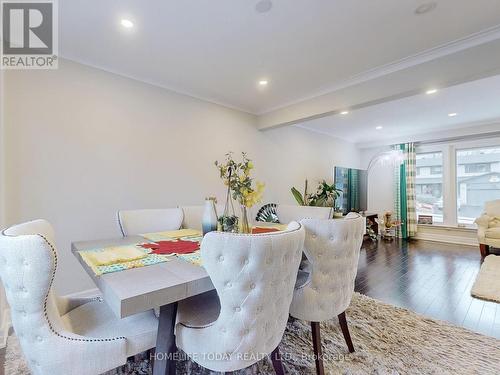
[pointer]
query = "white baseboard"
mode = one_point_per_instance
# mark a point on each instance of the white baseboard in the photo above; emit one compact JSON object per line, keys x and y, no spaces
{"x":458,"y":236}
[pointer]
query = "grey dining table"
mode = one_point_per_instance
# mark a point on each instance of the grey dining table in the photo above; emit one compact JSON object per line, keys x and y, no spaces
{"x":141,"y":289}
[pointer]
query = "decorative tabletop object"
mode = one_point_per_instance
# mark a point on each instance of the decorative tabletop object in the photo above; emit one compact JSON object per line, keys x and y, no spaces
{"x":388,"y":226}
{"x":209,"y":219}
{"x":236,"y":176}
{"x":267,"y":213}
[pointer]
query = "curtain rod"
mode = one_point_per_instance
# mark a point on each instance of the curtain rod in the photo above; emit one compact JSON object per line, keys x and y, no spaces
{"x":460,"y":138}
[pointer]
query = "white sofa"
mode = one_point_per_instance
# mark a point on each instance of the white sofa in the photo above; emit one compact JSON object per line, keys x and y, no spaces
{"x":488,"y":227}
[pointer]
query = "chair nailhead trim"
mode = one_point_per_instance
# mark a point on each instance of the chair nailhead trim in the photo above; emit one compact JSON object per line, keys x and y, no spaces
{"x":54,"y":253}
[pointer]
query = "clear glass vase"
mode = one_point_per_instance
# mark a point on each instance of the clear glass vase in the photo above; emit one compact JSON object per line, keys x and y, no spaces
{"x":244,"y":223}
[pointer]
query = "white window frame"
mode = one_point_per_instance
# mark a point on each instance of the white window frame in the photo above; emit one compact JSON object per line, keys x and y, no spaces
{"x":449,"y":152}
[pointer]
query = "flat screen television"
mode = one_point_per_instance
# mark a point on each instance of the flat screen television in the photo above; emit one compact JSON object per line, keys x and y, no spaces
{"x":353,"y":183}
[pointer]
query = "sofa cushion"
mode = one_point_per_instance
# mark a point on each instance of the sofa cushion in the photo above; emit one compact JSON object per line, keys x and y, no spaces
{"x":492,"y":233}
{"x":494,"y":222}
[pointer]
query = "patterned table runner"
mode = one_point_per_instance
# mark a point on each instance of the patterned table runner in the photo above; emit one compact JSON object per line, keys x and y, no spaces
{"x":161,"y":247}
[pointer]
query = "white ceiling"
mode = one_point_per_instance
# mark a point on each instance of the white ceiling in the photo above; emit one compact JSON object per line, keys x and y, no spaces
{"x":476,"y":102}
{"x":218,"y":49}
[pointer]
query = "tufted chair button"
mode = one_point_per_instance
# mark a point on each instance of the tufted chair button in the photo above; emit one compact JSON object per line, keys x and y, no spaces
{"x":313,"y":236}
{"x":319,"y":255}
{"x":246,"y":261}
{"x":269,"y":261}
{"x":39,"y":338}
{"x":252,"y":286}
{"x":221,"y":258}
{"x":223,"y":330}
{"x":331,"y":238}
{"x":24,"y":290}
{"x":229,"y":285}
{"x":237,"y":309}
{"x":246,"y":332}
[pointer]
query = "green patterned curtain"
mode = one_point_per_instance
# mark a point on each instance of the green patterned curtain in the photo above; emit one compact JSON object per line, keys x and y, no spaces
{"x":411,"y":209}
{"x":404,"y":193}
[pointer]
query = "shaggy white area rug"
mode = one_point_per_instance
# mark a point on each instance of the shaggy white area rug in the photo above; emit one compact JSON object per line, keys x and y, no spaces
{"x":487,"y":284}
{"x":388,"y":340}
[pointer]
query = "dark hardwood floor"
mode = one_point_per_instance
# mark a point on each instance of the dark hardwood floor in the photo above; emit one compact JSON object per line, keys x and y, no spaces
{"x":431,"y":278}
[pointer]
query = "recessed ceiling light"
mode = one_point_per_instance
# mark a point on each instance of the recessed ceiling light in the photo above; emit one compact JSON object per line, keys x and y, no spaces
{"x":431,"y":91}
{"x":127,"y":23}
{"x":453,"y":114}
{"x":263,"y":6}
{"x":344,"y":112}
{"x":379,"y":127}
{"x":426,"y":8}
{"x":263,"y":82}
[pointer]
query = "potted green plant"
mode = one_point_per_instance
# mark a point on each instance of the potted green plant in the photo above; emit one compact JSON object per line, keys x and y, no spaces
{"x":325,"y":196}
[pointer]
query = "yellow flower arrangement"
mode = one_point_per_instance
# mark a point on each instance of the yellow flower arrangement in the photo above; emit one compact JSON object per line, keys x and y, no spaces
{"x":236,"y":175}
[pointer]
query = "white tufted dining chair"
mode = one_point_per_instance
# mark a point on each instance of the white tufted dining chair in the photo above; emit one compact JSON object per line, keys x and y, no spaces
{"x":332,"y":247}
{"x":62,"y":335}
{"x":288,"y":213}
{"x":245,"y":318}
{"x":134,"y":222}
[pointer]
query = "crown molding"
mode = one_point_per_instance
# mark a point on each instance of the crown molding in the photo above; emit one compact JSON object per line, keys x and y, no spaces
{"x":471,"y":130}
{"x":171,"y":89}
{"x":473,"y":40}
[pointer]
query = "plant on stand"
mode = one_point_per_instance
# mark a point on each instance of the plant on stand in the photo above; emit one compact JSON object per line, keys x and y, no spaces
{"x":236,"y":176}
{"x":325,"y":196}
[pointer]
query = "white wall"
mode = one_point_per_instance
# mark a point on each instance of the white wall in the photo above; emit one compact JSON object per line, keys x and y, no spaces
{"x":4,"y":315}
{"x":380,"y":182}
{"x":83,"y":143}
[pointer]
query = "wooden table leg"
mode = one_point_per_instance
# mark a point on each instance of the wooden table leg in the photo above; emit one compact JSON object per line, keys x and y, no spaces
{"x":164,"y":363}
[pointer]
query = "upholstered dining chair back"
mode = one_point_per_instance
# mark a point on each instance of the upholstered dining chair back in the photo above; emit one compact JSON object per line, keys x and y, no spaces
{"x":134,"y":222}
{"x":28,"y":262}
{"x":332,"y":247}
{"x":193,"y":215}
{"x":254,"y":276}
{"x":289,"y":213}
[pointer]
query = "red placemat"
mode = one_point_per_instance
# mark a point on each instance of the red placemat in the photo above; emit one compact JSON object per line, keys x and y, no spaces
{"x":172,"y":247}
{"x":258,"y":230}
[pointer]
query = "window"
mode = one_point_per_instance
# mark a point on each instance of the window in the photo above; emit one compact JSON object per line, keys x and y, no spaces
{"x":478,"y":181}
{"x":437,"y":169}
{"x":477,"y":168}
{"x":429,"y":185}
